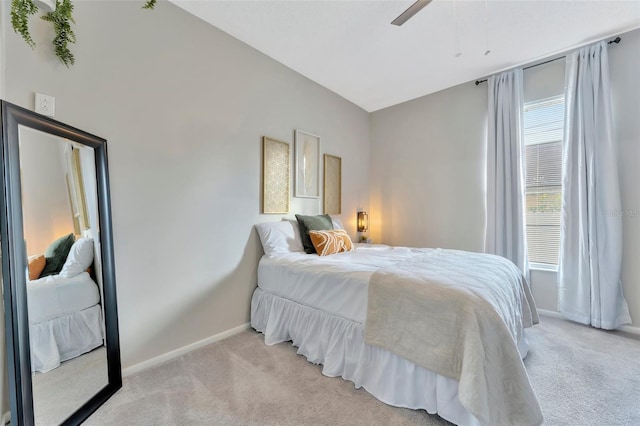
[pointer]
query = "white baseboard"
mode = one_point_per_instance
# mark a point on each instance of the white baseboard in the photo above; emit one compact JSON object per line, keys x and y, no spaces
{"x":552,"y":314}
{"x":183,"y":350}
{"x":630,"y":329}
{"x":626,"y":328}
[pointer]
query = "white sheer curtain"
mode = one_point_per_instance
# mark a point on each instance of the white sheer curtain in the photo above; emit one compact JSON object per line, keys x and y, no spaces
{"x":505,"y":233}
{"x":589,"y":287}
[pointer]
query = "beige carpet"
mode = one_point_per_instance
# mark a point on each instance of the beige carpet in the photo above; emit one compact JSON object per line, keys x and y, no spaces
{"x":59,"y":392}
{"x":582,"y":377}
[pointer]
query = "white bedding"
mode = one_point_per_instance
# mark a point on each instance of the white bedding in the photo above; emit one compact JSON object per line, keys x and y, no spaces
{"x":337,"y":284}
{"x":336,"y":289}
{"x":65,"y":337}
{"x":55,"y":296}
{"x":460,"y":314}
{"x":338,"y":344}
{"x":65,"y":319}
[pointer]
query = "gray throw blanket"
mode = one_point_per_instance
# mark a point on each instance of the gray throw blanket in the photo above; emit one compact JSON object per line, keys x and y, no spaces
{"x":460,"y":314}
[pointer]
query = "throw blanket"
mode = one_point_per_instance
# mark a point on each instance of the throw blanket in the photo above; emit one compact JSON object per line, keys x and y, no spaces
{"x":461,"y":315}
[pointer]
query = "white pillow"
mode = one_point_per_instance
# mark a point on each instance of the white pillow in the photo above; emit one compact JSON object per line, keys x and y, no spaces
{"x":337,"y":223}
{"x":79,"y":259}
{"x":280,"y":237}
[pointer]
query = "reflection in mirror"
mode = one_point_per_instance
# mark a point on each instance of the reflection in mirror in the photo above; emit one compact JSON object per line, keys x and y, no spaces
{"x":64,"y":284}
{"x":61,"y":315}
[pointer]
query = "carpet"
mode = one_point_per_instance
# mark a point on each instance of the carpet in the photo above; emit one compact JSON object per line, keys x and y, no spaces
{"x":59,"y":392}
{"x":582,"y":377}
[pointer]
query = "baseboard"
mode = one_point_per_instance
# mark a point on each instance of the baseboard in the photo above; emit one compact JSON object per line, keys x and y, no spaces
{"x":552,"y":314}
{"x":630,"y":329}
{"x":183,"y":350}
{"x":626,"y":328}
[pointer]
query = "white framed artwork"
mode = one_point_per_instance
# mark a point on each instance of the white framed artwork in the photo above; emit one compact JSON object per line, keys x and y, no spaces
{"x":307,"y":178}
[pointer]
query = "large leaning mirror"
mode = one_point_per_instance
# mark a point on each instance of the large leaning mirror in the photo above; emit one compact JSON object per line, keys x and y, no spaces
{"x":58,"y":274}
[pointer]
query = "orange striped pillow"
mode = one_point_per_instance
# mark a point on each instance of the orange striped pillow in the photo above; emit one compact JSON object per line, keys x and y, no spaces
{"x":36,"y":266}
{"x":331,"y":242}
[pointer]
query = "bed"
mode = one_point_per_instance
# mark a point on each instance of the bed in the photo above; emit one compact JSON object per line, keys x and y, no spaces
{"x":322,"y":303}
{"x":65,"y":314}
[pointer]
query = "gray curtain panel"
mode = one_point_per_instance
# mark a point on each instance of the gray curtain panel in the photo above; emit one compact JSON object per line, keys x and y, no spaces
{"x":505,"y":232}
{"x":589,"y":287}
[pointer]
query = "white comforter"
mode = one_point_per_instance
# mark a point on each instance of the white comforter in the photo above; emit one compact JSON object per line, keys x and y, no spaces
{"x":461,"y":315}
{"x":65,"y":319}
{"x":55,"y":296}
{"x":339,"y":285}
{"x":336,"y":284}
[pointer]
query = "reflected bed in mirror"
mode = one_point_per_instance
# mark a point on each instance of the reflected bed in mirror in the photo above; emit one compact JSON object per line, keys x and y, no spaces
{"x":59,"y":207}
{"x":58,"y":275}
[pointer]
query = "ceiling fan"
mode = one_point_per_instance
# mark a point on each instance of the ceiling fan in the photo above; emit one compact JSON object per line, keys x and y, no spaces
{"x":412,"y":10}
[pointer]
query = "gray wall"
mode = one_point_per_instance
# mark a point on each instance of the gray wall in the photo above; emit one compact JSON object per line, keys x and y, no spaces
{"x":428,"y":170}
{"x":428,"y":159}
{"x":183,"y":107}
{"x":46,"y":207}
{"x":624,"y":60}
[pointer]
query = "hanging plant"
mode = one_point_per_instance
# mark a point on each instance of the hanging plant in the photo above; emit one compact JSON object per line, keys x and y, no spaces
{"x":61,"y":18}
{"x":20,"y":12}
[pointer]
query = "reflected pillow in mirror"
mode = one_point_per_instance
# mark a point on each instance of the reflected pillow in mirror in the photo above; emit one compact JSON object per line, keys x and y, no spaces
{"x":56,"y":255}
{"x":79,"y":259}
{"x":36,"y":265}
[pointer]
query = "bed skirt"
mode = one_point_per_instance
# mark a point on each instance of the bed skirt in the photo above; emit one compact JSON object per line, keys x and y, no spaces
{"x":338,"y":344}
{"x":66,"y":337}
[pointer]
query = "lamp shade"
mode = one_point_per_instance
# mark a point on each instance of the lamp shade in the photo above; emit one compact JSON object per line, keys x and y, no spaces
{"x":363,"y":221}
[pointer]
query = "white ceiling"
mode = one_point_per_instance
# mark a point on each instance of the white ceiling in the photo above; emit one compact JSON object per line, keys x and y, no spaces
{"x":351,"y":48}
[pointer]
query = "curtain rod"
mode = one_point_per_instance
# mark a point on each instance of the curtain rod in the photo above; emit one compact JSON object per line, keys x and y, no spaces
{"x":615,"y":40}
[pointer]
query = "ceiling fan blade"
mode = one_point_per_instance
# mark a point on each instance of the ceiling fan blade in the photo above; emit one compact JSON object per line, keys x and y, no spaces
{"x":412,"y":10}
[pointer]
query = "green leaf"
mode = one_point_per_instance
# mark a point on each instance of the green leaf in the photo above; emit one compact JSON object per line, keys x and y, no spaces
{"x":20,"y":12}
{"x":62,"y":17}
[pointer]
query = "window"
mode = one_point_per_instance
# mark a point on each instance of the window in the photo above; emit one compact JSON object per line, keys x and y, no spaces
{"x":543,"y":132}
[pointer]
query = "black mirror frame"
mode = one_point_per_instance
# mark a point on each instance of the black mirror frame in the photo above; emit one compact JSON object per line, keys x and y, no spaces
{"x":14,"y":263}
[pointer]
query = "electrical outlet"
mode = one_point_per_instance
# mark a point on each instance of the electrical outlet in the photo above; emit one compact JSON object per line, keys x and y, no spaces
{"x":45,"y":105}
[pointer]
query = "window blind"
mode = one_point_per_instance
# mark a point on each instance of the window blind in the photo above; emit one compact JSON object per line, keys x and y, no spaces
{"x":543,"y":132}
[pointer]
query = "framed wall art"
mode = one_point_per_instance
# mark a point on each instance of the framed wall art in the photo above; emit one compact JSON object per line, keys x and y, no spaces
{"x":332,"y":184}
{"x":275,"y":176}
{"x":307,"y":152}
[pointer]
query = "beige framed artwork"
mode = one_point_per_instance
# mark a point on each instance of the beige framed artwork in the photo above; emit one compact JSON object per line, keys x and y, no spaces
{"x":75,"y":188}
{"x":307,"y":154}
{"x":275,"y":176}
{"x":332,"y":184}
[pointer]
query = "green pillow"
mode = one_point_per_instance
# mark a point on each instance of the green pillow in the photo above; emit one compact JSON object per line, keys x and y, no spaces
{"x":321,"y":222}
{"x":56,"y":254}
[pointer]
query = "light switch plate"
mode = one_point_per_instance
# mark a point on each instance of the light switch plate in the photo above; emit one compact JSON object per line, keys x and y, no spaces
{"x":45,"y":105}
